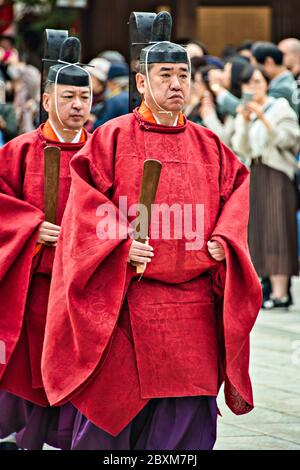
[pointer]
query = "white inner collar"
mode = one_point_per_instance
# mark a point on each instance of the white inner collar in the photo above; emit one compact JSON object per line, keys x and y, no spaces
{"x":76,"y":139}
{"x":158,"y":122}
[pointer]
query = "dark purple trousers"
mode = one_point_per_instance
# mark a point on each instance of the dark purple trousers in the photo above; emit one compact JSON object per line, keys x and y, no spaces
{"x":36,"y":425}
{"x":184,"y":423}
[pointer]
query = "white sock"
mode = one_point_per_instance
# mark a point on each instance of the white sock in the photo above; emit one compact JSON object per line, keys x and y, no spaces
{"x":10,"y":438}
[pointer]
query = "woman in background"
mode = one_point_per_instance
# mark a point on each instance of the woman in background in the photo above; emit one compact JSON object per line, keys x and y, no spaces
{"x":267,"y":135}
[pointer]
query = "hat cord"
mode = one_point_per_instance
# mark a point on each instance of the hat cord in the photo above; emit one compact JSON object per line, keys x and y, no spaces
{"x":69,"y":64}
{"x":162,"y":110}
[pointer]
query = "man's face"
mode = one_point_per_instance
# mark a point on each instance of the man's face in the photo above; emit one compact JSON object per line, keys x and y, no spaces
{"x":170,"y":86}
{"x":289,"y":60}
{"x":269,"y":66}
{"x":289,"y":57}
{"x":73,"y":105}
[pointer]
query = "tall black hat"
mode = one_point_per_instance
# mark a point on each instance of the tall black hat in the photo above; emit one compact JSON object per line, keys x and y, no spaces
{"x":64,"y":73}
{"x":160,"y":49}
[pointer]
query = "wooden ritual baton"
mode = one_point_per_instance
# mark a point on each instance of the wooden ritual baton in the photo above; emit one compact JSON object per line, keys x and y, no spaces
{"x":51,"y":181}
{"x":150,"y":180}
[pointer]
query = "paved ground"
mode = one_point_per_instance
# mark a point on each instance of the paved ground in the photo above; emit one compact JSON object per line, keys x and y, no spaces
{"x":275,"y":370}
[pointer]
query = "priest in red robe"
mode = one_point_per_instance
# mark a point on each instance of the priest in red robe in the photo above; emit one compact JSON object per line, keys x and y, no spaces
{"x":143,"y":359}
{"x":27,"y":250}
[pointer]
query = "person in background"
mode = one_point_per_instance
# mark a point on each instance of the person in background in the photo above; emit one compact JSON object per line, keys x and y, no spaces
{"x":8,"y":123}
{"x":244,"y":49}
{"x":196,"y":49}
{"x":8,"y":54}
{"x":98,"y":69}
{"x":290,"y":48}
{"x":282,"y":83}
{"x":214,"y":116}
{"x":268,"y":136}
{"x":114,"y":57}
{"x":8,"y":120}
{"x":26,"y":81}
{"x":117,"y":94}
{"x":228,"y":52}
{"x":199,"y":88}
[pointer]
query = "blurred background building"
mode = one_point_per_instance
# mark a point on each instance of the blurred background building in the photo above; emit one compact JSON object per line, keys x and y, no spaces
{"x":102,"y":24}
{"x":214,"y":22}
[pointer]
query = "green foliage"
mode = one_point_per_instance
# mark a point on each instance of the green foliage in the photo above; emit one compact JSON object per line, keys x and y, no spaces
{"x":54,"y":20}
{"x":48,"y":15}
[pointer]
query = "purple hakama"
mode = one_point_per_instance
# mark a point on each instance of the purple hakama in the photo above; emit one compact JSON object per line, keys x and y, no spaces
{"x":36,"y":425}
{"x":184,"y":423}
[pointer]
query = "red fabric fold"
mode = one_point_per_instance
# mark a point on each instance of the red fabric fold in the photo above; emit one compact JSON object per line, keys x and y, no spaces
{"x":241,"y":294}
{"x":25,"y":278}
{"x":18,"y":234}
{"x":112,"y":343}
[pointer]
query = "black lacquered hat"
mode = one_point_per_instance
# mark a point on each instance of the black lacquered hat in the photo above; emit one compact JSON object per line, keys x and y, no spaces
{"x":63,"y":72}
{"x":160,"y":49}
{"x":164,"y":52}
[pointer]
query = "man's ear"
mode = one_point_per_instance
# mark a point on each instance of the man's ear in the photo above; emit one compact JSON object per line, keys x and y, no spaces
{"x":140,"y":83}
{"x":46,"y":102}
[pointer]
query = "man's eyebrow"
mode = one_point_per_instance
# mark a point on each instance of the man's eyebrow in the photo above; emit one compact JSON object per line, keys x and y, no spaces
{"x":166,"y":69}
{"x":73,"y":92}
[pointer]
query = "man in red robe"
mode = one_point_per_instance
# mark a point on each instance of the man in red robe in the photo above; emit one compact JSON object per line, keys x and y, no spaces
{"x":143,"y":359}
{"x":27,"y":249}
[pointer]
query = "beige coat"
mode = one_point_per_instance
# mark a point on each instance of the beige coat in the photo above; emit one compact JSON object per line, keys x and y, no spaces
{"x":279,"y":147}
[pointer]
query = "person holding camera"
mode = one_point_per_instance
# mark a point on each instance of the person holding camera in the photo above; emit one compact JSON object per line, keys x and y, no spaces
{"x":267,"y":135}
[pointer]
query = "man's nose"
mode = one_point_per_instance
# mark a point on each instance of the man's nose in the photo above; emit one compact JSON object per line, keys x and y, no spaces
{"x":175,"y":84}
{"x":77,"y":102}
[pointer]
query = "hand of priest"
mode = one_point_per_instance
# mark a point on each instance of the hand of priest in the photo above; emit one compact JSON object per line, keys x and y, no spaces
{"x":216,"y":250}
{"x":48,"y":233}
{"x":140,"y":252}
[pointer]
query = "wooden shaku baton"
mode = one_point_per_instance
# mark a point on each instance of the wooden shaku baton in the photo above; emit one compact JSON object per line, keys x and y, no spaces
{"x":150,"y":180}
{"x":51,"y":181}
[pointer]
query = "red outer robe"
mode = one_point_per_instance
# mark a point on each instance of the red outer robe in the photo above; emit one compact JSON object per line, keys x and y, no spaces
{"x":24,"y":279}
{"x":112,"y":343}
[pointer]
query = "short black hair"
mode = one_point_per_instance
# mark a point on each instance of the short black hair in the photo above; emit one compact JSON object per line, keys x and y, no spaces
{"x":49,"y":86}
{"x":245,"y":45}
{"x":142,"y":68}
{"x":248,"y":72}
{"x":239,"y":64}
{"x":197,"y":63}
{"x":262,"y":50}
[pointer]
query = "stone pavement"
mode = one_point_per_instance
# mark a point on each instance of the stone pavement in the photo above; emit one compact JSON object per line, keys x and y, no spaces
{"x":274,"y":424}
